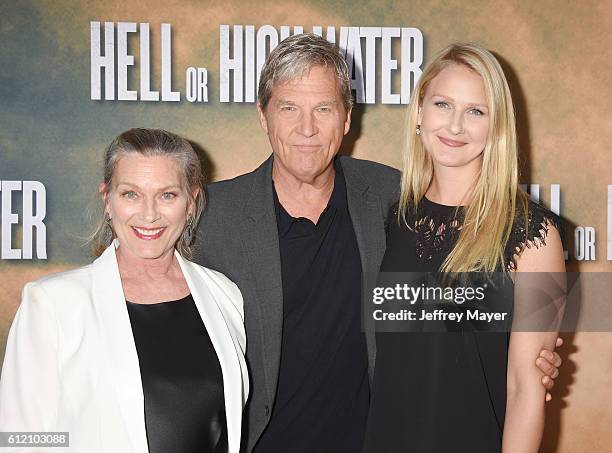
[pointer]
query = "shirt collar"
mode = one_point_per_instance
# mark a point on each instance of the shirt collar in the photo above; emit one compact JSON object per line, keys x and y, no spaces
{"x":337,"y":200}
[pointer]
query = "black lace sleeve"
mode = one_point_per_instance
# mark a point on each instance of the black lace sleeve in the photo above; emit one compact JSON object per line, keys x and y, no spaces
{"x":531,"y":233}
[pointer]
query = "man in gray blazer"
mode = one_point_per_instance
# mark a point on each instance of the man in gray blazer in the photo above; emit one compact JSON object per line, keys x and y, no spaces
{"x":295,"y":235}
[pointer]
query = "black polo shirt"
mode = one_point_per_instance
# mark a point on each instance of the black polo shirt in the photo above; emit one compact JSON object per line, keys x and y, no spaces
{"x":323,"y":392}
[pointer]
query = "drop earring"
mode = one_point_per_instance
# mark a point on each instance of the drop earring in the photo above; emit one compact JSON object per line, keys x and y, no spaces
{"x":188,"y":232}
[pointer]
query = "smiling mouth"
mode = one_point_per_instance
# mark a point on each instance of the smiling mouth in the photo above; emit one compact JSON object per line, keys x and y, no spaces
{"x":451,"y":143}
{"x":148,"y":234}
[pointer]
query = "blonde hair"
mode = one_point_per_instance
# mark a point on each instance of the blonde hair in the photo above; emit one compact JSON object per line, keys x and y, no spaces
{"x":490,"y":213}
{"x":152,"y":142}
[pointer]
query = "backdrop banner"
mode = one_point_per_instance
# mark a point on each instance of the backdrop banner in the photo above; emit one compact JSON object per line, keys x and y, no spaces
{"x":76,"y":73}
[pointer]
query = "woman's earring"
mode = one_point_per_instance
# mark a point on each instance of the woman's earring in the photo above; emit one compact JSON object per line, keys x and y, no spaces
{"x":108,"y":221}
{"x":188,"y":233}
{"x":109,"y":233}
{"x":418,"y":129}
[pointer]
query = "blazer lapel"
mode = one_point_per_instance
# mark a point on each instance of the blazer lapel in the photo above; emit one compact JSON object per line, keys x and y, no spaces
{"x":121,"y":358}
{"x":366,"y":213}
{"x":261,"y":246}
{"x":204,"y":292}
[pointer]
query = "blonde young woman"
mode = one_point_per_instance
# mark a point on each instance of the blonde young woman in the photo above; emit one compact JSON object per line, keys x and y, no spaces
{"x":141,"y":351}
{"x":460,"y":210}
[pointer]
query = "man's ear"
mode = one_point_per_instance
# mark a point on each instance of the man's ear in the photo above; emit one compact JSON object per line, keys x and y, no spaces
{"x":347,"y":122}
{"x":263,"y":122}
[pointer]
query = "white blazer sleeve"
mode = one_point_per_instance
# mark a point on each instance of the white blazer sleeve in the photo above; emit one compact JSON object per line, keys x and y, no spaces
{"x":29,"y":384}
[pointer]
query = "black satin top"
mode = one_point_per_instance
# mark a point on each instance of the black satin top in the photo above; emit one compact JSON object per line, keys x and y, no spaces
{"x":181,"y":378}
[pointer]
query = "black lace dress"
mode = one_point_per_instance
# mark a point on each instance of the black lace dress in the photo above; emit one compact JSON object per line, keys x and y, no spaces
{"x":439,"y":392}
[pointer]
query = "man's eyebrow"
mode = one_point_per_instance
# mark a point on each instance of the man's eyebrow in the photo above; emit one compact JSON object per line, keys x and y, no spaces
{"x":324,"y":102}
{"x":285,"y":102}
{"x":327,"y":102}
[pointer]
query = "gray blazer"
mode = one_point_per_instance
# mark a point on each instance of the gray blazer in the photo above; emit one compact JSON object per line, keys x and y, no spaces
{"x":238,"y":236}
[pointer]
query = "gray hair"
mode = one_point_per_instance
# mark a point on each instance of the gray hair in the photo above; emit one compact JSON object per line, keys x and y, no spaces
{"x":152,"y":142}
{"x":297,"y":55}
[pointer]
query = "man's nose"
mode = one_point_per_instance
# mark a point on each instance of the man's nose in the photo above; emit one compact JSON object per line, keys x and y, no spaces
{"x":308,"y":124}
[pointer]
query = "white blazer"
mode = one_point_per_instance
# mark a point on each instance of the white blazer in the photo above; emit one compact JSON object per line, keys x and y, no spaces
{"x":71,"y":362}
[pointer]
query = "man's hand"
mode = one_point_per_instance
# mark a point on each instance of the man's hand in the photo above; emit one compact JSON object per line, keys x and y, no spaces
{"x":549,"y":362}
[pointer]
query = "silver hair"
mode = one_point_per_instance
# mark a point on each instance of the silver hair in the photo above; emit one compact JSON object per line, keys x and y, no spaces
{"x":297,"y":55}
{"x":152,"y":142}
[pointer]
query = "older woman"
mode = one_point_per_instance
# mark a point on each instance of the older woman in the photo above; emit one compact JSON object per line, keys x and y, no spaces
{"x":460,"y":210}
{"x":142,"y":350}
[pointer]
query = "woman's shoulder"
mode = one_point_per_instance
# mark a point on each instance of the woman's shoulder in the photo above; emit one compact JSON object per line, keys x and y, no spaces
{"x":531,"y":227}
{"x":61,"y":283}
{"x":538,"y":214}
{"x":58,"y":294}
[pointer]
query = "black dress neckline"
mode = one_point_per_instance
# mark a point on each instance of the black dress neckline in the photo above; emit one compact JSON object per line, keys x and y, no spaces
{"x":426,"y":201}
{"x":175,"y":301}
